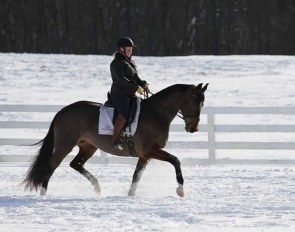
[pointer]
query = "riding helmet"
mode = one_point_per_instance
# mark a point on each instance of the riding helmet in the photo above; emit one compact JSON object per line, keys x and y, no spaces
{"x":125,"y":42}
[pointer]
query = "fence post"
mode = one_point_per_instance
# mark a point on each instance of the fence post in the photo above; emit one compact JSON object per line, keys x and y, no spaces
{"x":103,"y":157}
{"x":211,"y":135}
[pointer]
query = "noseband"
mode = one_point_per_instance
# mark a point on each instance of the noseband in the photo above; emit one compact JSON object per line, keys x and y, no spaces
{"x":191,"y":119}
{"x":187,"y":119}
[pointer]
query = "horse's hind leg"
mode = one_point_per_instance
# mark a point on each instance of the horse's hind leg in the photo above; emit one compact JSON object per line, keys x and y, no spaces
{"x":60,"y":152}
{"x":85,"y":152}
{"x":141,"y":164}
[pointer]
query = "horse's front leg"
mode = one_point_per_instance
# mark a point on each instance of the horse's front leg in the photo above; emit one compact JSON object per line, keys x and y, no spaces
{"x":141,"y":164}
{"x":159,"y":154}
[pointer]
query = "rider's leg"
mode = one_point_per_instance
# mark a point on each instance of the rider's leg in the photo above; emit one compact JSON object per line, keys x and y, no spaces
{"x":118,"y":127}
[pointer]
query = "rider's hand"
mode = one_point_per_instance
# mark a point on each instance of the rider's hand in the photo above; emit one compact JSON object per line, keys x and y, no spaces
{"x":146,"y":89}
{"x":140,"y":90}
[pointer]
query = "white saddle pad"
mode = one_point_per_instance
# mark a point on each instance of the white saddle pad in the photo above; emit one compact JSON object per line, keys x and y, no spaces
{"x":105,"y":125}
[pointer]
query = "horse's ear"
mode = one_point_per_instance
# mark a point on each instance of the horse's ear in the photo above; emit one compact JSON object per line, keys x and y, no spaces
{"x":204,"y":88}
{"x":199,"y":87}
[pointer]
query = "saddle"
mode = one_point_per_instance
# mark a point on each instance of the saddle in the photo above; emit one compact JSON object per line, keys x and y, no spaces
{"x":132,"y":109}
{"x":108,"y":115}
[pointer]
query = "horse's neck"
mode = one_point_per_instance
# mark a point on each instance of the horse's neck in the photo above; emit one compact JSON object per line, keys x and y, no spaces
{"x":168,"y":106}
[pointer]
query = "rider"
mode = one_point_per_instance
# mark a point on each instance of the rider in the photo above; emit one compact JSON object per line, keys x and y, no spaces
{"x":126,"y":83}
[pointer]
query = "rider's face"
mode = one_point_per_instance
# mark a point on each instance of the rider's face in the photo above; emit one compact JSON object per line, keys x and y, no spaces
{"x":128,"y":51}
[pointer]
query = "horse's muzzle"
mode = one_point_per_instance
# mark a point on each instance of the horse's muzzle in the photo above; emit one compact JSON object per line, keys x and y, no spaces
{"x":192,"y":124}
{"x":191,"y":130}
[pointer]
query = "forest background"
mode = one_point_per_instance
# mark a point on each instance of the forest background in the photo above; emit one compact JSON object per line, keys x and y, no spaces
{"x":158,"y":27}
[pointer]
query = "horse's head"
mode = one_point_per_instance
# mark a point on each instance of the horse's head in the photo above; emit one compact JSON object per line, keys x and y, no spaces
{"x":191,"y":108}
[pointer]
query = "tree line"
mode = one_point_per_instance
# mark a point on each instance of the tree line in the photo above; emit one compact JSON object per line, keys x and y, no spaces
{"x":158,"y":27}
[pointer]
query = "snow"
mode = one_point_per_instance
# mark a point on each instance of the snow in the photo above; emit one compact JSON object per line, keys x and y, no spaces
{"x":224,"y":198}
{"x":217,"y":198}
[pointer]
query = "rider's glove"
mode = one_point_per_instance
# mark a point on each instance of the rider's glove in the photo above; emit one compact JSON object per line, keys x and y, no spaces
{"x":140,"y":90}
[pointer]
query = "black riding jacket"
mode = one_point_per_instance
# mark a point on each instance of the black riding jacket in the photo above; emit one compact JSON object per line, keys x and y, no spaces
{"x":124,"y":75}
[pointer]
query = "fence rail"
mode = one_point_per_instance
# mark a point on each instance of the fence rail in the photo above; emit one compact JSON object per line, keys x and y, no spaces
{"x":211,"y":128}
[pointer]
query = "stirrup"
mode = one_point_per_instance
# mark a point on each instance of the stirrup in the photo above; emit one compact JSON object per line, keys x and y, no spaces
{"x":117,"y":146}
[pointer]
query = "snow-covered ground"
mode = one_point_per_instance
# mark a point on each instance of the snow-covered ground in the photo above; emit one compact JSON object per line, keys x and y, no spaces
{"x":217,"y":198}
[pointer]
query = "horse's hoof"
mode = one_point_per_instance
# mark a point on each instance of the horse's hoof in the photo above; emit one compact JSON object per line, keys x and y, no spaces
{"x":131,"y":194}
{"x":180,"y":191}
{"x":97,"y":190}
{"x":132,"y":190}
{"x":43,"y":191}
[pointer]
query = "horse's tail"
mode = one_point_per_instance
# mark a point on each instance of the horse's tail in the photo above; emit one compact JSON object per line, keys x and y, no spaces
{"x":40,"y":167}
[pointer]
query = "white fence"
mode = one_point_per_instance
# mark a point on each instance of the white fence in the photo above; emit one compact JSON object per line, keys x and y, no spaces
{"x":211,"y":128}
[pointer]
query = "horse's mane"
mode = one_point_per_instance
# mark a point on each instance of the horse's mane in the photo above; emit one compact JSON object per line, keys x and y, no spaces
{"x":171,"y":89}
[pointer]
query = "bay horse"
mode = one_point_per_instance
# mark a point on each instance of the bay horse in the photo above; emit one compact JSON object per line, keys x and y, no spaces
{"x":77,"y":124}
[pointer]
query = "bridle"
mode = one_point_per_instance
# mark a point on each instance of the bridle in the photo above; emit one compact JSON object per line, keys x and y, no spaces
{"x":186,"y":119}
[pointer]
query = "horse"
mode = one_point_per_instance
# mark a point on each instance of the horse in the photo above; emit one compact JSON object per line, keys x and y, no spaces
{"x":77,"y":125}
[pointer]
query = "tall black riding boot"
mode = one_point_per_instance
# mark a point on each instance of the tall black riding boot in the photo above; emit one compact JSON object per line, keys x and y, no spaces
{"x":118,"y":127}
